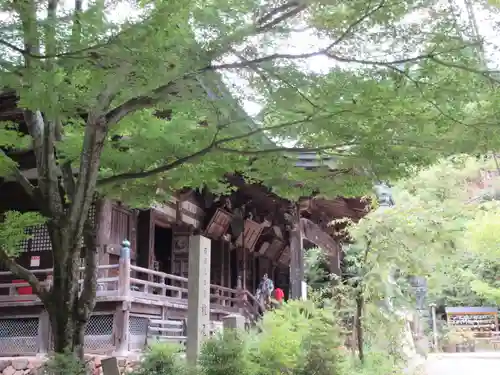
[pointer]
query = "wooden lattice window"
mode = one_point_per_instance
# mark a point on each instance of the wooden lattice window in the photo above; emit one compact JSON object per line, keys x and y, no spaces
{"x":39,"y":239}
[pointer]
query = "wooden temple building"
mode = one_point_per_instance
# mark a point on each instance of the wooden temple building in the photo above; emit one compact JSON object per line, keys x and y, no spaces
{"x":252,"y":232}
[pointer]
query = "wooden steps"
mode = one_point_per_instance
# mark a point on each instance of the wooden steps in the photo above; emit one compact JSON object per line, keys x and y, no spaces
{"x":171,"y":331}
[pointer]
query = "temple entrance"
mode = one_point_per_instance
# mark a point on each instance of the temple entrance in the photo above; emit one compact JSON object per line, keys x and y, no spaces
{"x":233,"y":268}
{"x":162,"y":249}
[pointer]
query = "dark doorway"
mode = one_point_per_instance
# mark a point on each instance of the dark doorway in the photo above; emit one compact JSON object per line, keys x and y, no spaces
{"x":143,"y":240}
{"x":163,"y":249}
{"x":258,"y":274}
{"x":233,"y":265}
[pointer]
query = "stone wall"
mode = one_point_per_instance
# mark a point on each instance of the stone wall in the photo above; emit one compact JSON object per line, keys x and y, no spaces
{"x":33,"y":365}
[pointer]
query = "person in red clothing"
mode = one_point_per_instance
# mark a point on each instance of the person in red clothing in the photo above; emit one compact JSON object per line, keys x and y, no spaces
{"x":279,"y":295}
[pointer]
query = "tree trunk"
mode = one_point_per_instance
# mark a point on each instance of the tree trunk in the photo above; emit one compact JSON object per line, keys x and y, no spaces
{"x":69,"y":306}
{"x":67,"y":332}
{"x":68,"y":321}
{"x":358,"y":325}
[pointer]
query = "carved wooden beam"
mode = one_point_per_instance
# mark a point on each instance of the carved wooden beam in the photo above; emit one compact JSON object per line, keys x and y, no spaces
{"x":313,"y":233}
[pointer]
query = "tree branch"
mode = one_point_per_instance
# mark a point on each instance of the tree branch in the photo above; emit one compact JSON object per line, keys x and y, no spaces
{"x":87,"y":51}
{"x":285,"y":150}
{"x":25,"y":274}
{"x":76,"y":30}
{"x":42,"y":133}
{"x":43,"y":145}
{"x":357,"y":22}
{"x":212,"y":146}
{"x":68,"y":179}
{"x":274,"y":12}
{"x":325,"y":52}
{"x":140,"y":102}
{"x":154,"y":171}
{"x":86,"y":301}
{"x":21,"y":179}
{"x":50,"y":27}
{"x":93,"y":142}
{"x":288,"y":14}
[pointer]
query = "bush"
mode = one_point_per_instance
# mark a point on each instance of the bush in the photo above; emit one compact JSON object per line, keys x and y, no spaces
{"x":376,"y":363}
{"x":225,"y":355}
{"x":63,"y":364}
{"x":163,"y":359}
{"x":300,"y":338}
{"x":322,"y":345}
{"x":276,"y":348}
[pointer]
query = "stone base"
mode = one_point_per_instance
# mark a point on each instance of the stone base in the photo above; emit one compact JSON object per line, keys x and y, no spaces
{"x":32,"y":365}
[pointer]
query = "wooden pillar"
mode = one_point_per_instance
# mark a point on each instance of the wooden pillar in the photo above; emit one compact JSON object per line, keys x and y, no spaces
{"x":255,"y":273}
{"x":245,"y":265}
{"x":296,"y":261}
{"x":104,"y":209}
{"x":223,"y":260}
{"x":122,"y":313}
{"x":198,"y":296}
{"x":227,"y":249}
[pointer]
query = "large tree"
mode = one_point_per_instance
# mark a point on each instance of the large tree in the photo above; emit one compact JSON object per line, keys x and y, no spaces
{"x":125,"y":98}
{"x":442,"y":227}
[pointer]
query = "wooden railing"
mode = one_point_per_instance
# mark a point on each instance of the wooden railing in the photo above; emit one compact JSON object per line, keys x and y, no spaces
{"x":252,"y":308}
{"x":123,"y":279}
{"x":15,"y":290}
{"x":175,"y":287}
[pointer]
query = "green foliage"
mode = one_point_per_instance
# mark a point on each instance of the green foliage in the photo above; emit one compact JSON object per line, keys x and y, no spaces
{"x":322,"y":345}
{"x":370,"y":114}
{"x":441,"y":228}
{"x":316,"y":271}
{"x":13,"y":230}
{"x":297,"y":339}
{"x":482,"y":240}
{"x":225,"y":355}
{"x":278,"y":347}
{"x":64,"y":364}
{"x":162,"y":359}
{"x":378,"y":363}
{"x":133,"y":95}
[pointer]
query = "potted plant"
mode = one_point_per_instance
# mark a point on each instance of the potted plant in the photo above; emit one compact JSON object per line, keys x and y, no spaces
{"x":452,"y":341}
{"x":469,"y":340}
{"x":465,"y":340}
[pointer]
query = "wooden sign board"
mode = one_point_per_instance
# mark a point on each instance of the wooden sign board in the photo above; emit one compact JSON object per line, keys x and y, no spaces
{"x":274,"y":250}
{"x":251,"y":234}
{"x":190,"y":208}
{"x":285,"y":256}
{"x":263,"y":248}
{"x":219,"y":223}
{"x":481,"y":319}
{"x":35,"y":261}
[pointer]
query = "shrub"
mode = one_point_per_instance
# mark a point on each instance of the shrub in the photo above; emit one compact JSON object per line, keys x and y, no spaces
{"x":322,"y":345}
{"x":63,"y":364}
{"x":163,"y":359}
{"x":276,"y":348}
{"x":299,"y":338}
{"x":225,"y":355}
{"x":376,"y":363}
